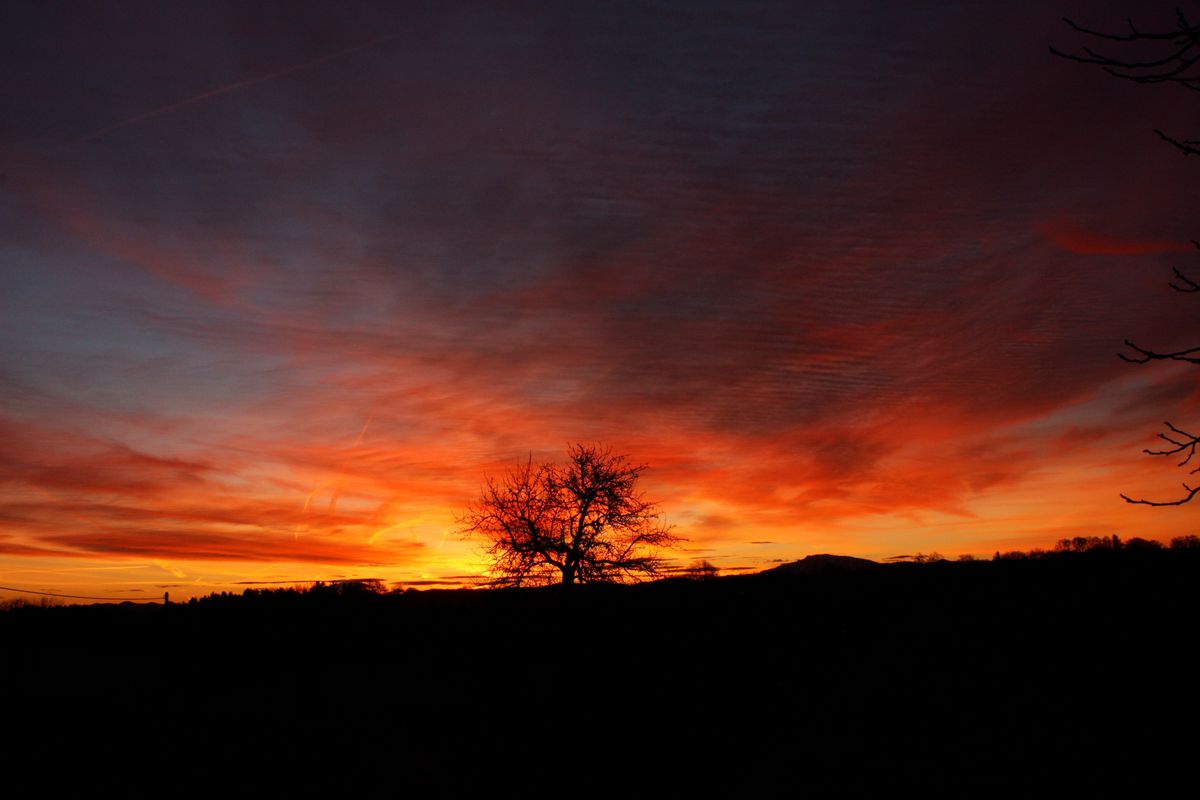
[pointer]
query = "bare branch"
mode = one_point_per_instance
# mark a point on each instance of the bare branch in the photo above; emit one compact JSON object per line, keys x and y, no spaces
{"x":1191,"y":492}
{"x":1134,"y":34}
{"x":1183,"y":442}
{"x":1147,"y":356}
{"x":1186,"y":146}
{"x":1172,"y":57}
{"x":1189,"y":445}
{"x":1191,"y":286}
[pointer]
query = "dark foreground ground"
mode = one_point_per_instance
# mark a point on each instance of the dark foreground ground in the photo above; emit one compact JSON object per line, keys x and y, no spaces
{"x":1080,"y":669}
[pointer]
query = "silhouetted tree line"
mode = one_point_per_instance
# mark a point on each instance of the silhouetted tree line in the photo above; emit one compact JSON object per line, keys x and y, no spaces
{"x":1102,"y":544}
{"x":1071,"y":545}
{"x":352,"y":592}
{"x":318,"y":592}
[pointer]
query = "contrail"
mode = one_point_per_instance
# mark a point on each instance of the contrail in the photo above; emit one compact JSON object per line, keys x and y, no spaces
{"x":220,"y":90}
{"x":341,"y":478}
{"x":338,"y":482}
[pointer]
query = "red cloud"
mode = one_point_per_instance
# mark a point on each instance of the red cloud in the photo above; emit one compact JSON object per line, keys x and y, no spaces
{"x":1074,"y":239}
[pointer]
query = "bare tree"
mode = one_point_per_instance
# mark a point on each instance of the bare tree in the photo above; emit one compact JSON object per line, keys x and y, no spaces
{"x":1170,"y":55}
{"x":579,"y":522}
{"x":1164,"y":56}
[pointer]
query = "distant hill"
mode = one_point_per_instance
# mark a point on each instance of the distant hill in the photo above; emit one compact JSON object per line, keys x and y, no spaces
{"x":824,"y":562}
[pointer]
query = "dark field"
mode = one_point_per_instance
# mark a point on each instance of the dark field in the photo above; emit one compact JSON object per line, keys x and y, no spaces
{"x":1074,"y":667}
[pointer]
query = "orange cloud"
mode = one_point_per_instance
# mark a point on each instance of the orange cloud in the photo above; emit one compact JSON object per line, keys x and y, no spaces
{"x":194,"y":545}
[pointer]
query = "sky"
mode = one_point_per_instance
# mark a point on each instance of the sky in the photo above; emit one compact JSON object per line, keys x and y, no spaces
{"x":280,"y":284}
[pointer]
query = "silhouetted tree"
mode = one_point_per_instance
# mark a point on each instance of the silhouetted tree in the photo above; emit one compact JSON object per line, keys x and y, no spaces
{"x":702,"y":570}
{"x":1168,"y":55}
{"x":1139,"y":544}
{"x":1083,"y":544}
{"x":579,"y":522}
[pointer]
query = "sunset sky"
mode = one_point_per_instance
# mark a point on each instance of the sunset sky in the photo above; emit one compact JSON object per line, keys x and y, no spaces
{"x":281,"y":283}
